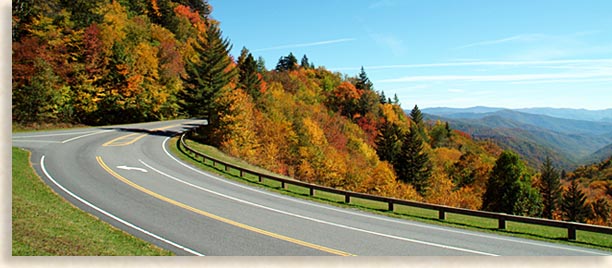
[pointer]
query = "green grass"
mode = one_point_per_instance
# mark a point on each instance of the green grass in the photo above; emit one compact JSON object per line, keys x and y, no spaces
{"x":530,"y":231}
{"x":44,"y":224}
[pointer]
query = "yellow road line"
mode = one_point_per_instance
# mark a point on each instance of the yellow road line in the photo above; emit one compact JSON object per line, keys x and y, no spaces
{"x":113,"y":142}
{"x":215,"y":217}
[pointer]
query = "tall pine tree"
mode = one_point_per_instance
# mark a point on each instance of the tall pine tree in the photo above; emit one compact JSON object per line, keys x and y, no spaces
{"x":248,"y":76}
{"x":550,"y":188}
{"x":208,"y":75}
{"x":388,"y":142}
{"x":363,"y":82}
{"x":416,"y":115}
{"x":288,"y":63}
{"x":412,"y":164}
{"x":573,"y":204}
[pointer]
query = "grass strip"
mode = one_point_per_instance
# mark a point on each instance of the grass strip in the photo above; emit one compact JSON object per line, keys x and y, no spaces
{"x":44,"y":224}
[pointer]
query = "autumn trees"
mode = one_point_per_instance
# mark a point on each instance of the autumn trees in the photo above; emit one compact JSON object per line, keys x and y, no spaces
{"x":99,"y":63}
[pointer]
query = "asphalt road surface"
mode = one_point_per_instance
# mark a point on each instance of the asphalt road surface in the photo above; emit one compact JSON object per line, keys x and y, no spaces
{"x":125,"y":175}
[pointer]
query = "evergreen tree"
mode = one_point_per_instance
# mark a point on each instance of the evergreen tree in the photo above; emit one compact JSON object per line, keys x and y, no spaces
{"x":208,"y":75}
{"x":412,"y":164}
{"x":383,"y":98}
{"x":261,"y":65}
{"x":363,"y":82}
{"x":416,"y":115}
{"x":305,"y":63}
{"x":550,"y":188}
{"x":396,"y":99}
{"x":573,"y":204}
{"x":388,"y":142}
{"x":248,"y":78}
{"x":503,"y":190}
{"x":287,"y":63}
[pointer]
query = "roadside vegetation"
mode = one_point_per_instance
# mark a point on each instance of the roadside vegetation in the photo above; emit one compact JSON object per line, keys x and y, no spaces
{"x":44,"y":224}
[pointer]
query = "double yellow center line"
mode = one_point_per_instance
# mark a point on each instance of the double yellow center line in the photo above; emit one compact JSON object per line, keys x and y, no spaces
{"x":132,"y":138}
{"x":218,"y":218}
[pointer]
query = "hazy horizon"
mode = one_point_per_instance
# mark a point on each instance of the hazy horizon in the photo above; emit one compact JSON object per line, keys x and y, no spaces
{"x":443,"y":53}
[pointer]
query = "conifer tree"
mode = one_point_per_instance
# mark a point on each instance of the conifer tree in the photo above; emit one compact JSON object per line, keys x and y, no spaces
{"x":388,"y":142}
{"x":573,"y":204}
{"x":261,"y":65}
{"x":383,"y":98}
{"x":416,"y":115}
{"x":248,"y":78}
{"x":287,"y":63}
{"x":550,"y":188}
{"x":305,"y":63}
{"x":363,"y":82}
{"x":412,"y":165}
{"x":208,"y":75}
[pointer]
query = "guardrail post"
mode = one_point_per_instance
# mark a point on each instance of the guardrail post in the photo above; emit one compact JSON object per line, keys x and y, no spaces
{"x":501,"y":224}
{"x":283,"y":185}
{"x":241,"y":173}
{"x":259,"y":178}
{"x":312,"y":191}
{"x":571,"y":233}
{"x":390,"y":206}
{"x":347,"y":198}
{"x":441,"y":214}
{"x":226,"y":168}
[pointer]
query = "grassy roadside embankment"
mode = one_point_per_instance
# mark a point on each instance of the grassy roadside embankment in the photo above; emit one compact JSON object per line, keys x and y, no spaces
{"x":44,"y":224}
{"x":543,"y":233}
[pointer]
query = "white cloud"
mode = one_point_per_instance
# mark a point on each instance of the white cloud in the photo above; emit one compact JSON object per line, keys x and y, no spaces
{"x":456,"y":90}
{"x":543,"y":63}
{"x":499,"y":78}
{"x":515,"y":38}
{"x":311,"y":44}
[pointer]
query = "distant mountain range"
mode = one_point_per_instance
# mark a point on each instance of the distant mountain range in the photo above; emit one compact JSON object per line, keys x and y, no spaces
{"x":570,"y":137}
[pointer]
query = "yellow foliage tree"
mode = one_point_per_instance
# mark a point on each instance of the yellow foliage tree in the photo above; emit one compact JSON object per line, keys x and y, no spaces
{"x":236,"y":132}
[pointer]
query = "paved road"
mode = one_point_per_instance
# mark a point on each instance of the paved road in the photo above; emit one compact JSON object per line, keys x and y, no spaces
{"x":126,"y":176}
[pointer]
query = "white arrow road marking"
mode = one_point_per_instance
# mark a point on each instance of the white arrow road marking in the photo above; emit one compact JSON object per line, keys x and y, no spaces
{"x":133,"y":168}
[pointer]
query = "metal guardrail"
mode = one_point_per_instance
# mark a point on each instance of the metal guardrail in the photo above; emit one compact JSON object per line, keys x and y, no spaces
{"x":391,"y":202}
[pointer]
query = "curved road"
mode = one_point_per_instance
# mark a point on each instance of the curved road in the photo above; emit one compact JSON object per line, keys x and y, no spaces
{"x":125,"y":176}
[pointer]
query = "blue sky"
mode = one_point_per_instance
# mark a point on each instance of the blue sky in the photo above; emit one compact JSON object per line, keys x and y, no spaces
{"x":454,"y":53}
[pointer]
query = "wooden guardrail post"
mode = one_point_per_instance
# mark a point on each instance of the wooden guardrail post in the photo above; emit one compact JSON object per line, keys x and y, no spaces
{"x":390,"y":206}
{"x":571,"y":233}
{"x":283,"y":185}
{"x":312,"y":191}
{"x":441,"y":214}
{"x":347,"y":198}
{"x":501,"y":223}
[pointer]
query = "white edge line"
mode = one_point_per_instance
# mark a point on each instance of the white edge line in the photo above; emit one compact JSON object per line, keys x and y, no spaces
{"x":42,"y":165}
{"x":54,"y":134}
{"x":381,"y":218}
{"x":318,"y":220}
{"x":86,"y":135}
{"x":41,"y":141}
